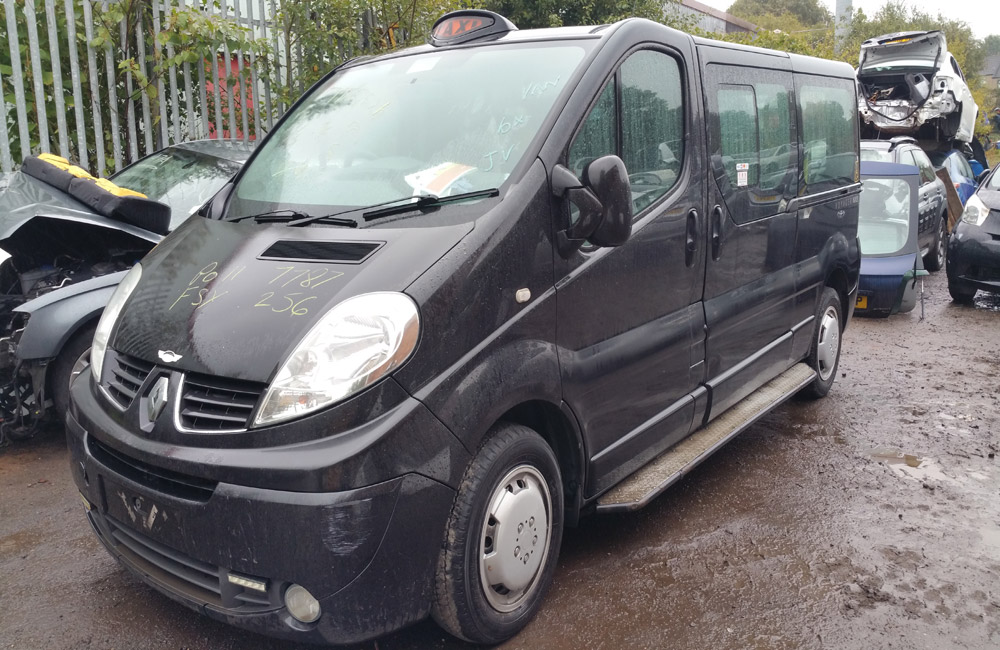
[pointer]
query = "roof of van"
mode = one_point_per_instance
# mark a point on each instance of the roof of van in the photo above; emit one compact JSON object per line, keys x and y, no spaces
{"x":800,"y":63}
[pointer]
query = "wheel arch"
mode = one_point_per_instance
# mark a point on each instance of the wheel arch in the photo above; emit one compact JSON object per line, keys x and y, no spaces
{"x":837,"y":280}
{"x":556,"y":426}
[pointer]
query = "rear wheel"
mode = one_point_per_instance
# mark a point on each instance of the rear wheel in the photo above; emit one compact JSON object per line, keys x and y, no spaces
{"x":72,"y":359}
{"x":936,"y":257}
{"x":502,"y":540}
{"x":824,"y":356}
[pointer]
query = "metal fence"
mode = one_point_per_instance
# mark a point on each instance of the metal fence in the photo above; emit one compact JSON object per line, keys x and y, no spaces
{"x":60,"y":94}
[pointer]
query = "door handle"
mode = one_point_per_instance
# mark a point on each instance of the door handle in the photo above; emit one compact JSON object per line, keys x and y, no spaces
{"x":716,"y":232}
{"x":691,"y":242}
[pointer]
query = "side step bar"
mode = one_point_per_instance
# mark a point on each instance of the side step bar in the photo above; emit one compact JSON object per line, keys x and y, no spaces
{"x":650,"y":480}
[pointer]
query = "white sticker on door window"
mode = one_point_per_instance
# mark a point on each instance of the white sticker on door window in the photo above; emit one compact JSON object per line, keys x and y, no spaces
{"x":742,"y":171}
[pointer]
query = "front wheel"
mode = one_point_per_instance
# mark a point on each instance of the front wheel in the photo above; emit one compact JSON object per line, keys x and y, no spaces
{"x":72,"y":359}
{"x":824,"y":356}
{"x":961,"y":295}
{"x":502,"y":539}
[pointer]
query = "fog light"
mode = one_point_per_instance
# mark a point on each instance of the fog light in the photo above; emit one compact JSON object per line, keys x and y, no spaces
{"x":301,"y":604}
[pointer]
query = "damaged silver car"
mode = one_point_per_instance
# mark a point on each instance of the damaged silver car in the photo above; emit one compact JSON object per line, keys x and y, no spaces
{"x":909,"y":84}
{"x":66,"y":240}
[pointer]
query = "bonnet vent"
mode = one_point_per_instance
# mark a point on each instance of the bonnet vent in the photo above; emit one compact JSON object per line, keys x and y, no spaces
{"x":343,"y":252}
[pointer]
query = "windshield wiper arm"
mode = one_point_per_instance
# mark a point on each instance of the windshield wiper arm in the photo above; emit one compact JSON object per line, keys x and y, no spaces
{"x":396,"y":206}
{"x":429,"y":201}
{"x":295,"y":218}
{"x":272,"y":216}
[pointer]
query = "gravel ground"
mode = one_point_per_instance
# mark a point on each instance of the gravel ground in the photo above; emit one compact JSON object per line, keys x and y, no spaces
{"x":869,"y":519}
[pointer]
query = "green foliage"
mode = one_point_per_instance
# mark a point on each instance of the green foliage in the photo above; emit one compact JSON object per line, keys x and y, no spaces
{"x":322,"y":34}
{"x":804,"y":12}
{"x":528,"y":14}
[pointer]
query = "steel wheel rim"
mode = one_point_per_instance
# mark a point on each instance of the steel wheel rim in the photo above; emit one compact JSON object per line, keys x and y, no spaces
{"x":827,"y":343}
{"x":514,"y":538}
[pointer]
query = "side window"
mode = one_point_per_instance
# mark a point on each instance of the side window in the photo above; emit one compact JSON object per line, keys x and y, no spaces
{"x":652,"y":124}
{"x":738,"y":134}
{"x":906,"y":158}
{"x":958,"y":71}
{"x":829,"y":117}
{"x":927,"y":174}
{"x":777,"y":160}
{"x":964,"y":167}
{"x":752,"y":139}
{"x":643,"y":103}
{"x":597,"y":135}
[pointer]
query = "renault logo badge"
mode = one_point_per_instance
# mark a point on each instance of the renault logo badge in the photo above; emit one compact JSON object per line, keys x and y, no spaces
{"x":157,"y":399}
{"x":168,"y":356}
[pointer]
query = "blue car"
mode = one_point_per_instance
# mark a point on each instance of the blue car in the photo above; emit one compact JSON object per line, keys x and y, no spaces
{"x":958,"y":168}
{"x":888,"y":220}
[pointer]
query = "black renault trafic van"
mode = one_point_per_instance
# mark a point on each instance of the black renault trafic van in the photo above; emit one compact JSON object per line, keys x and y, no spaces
{"x":462,"y":295}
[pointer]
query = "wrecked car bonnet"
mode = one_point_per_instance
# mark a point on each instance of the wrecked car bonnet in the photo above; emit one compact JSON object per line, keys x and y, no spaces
{"x":895,"y":52}
{"x":232,"y":299}
{"x":25,"y":198}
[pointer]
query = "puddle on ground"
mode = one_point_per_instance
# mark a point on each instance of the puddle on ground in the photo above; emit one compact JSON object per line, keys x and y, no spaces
{"x":910,"y":465}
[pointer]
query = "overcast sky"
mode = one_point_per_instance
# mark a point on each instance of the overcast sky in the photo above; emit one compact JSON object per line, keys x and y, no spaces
{"x":983,"y":16}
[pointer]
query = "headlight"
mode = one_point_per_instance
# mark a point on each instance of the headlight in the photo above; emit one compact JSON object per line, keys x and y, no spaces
{"x":109,"y":317}
{"x":354,"y":345}
{"x":975,"y":211}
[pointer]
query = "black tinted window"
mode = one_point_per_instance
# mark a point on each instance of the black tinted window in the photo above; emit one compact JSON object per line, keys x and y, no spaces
{"x":651,"y":121}
{"x":752,"y":139}
{"x":829,"y":133}
{"x":652,"y":124}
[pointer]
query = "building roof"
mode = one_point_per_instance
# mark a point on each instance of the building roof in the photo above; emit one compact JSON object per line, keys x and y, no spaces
{"x":721,"y":15}
{"x":991,"y":68}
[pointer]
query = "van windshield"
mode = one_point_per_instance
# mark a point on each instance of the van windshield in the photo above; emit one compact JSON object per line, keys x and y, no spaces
{"x":439,"y":123}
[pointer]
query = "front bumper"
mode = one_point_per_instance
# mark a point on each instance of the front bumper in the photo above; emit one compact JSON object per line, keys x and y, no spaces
{"x":973,"y":258}
{"x":368,"y":554}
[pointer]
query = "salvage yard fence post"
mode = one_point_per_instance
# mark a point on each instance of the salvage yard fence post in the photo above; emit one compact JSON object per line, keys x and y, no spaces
{"x":61,"y":94}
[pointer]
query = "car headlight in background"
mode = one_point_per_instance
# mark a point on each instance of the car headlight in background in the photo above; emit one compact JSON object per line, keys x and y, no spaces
{"x":975,"y":211}
{"x":110,"y":317}
{"x":353,"y":346}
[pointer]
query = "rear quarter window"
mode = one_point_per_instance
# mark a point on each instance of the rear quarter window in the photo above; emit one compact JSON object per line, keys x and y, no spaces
{"x":829,"y":132}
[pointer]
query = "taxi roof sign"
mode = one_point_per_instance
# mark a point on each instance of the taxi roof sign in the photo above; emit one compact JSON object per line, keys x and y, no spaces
{"x":468,"y":25}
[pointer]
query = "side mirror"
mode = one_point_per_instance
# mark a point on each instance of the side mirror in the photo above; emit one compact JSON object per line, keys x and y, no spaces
{"x":982,"y":176}
{"x":604,"y":201}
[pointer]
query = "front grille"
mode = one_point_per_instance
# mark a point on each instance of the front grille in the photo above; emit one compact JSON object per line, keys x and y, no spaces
{"x":200,"y":581}
{"x":176,"y":484}
{"x":125,"y":375}
{"x":217,"y":404}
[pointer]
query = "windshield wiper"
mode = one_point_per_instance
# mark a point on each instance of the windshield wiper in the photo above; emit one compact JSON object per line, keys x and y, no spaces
{"x":295,"y":217}
{"x":429,"y":201}
{"x":274,"y":216}
{"x":395,"y":206}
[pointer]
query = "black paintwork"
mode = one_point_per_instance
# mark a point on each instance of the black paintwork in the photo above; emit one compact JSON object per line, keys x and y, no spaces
{"x":973,"y":260}
{"x":619,"y":351}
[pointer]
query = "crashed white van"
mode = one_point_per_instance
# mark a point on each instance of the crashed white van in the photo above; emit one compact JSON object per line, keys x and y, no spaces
{"x":909,"y":84}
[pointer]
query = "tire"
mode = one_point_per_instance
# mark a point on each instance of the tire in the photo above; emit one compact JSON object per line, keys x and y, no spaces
{"x":76,"y":350}
{"x":509,"y":487}
{"x":824,"y":354}
{"x":936,"y":257}
{"x":960,"y":295}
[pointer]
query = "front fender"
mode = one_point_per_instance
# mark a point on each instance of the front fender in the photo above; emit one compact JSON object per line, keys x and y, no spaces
{"x":56,"y":316}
